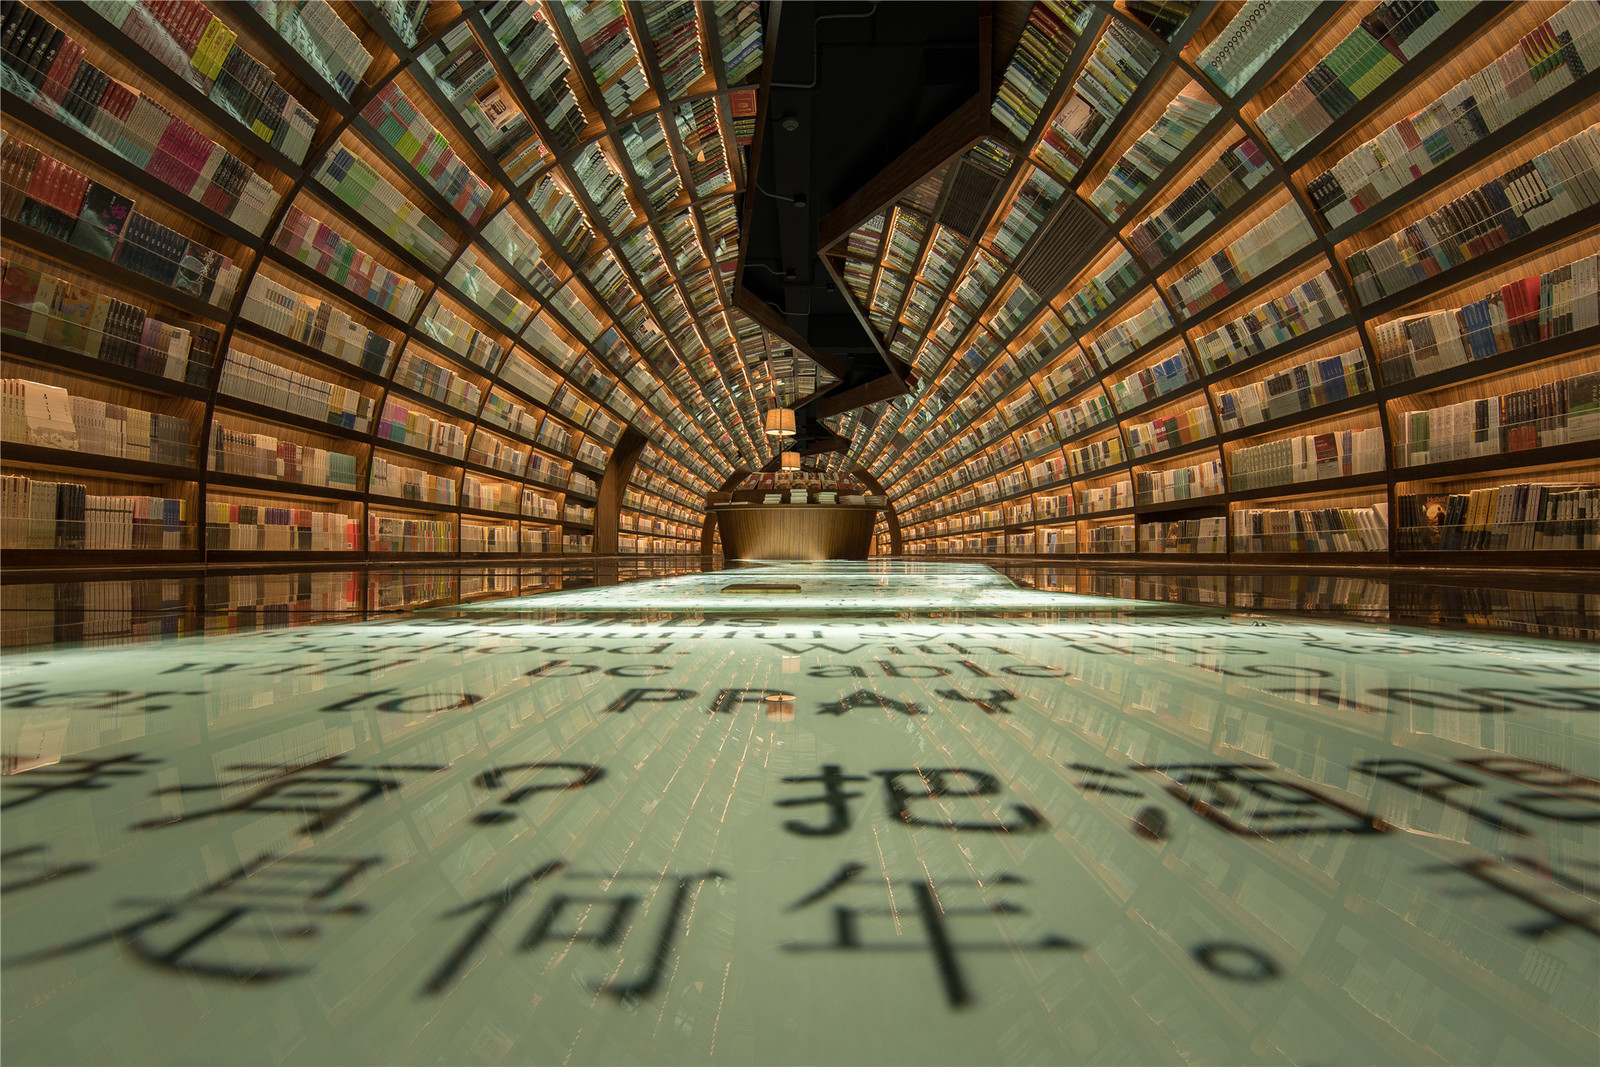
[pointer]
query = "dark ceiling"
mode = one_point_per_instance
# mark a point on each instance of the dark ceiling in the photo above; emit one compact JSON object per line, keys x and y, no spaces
{"x":853,"y":86}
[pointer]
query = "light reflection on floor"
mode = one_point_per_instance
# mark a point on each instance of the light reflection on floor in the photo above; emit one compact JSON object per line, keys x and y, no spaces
{"x":905,"y":814}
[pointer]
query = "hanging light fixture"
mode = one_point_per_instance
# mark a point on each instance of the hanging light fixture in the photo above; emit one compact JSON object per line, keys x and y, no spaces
{"x":789,"y":461}
{"x":778,"y":422}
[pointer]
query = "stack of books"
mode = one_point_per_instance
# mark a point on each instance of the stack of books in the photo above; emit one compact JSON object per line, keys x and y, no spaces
{"x":264,"y":456}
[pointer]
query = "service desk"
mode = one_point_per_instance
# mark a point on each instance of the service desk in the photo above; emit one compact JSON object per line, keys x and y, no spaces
{"x":795,"y":531}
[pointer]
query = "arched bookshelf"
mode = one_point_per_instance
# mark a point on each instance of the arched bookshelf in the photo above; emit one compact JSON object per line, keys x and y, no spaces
{"x":1144,"y":297}
{"x":408,"y":362}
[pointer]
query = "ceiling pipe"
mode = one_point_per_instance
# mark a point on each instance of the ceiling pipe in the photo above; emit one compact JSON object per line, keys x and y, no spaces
{"x":872,"y":9}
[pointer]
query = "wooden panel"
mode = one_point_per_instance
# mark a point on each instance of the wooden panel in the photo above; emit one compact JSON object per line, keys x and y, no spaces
{"x":795,"y":531}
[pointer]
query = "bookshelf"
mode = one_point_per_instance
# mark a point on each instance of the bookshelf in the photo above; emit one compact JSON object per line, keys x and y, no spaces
{"x":1303,"y":278}
{"x":369,"y":280}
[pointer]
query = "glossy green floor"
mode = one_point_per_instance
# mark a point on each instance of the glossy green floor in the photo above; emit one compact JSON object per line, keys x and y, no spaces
{"x":847,"y":814}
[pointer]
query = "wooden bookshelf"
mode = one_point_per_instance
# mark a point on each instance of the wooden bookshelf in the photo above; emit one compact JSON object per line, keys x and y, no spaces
{"x":562,"y":440}
{"x":1336,"y":354}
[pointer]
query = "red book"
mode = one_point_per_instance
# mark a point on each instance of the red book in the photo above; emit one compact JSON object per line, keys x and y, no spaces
{"x":59,"y":77}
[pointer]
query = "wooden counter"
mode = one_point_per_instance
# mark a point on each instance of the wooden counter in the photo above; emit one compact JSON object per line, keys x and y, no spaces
{"x":795,"y":531}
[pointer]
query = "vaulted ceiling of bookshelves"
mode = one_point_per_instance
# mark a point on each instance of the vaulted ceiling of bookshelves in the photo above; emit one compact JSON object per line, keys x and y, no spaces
{"x":1036,"y":273}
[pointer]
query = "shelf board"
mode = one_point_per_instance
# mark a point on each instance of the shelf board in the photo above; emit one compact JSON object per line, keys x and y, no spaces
{"x":1320,"y":487}
{"x":225,"y":402}
{"x":95,"y":464}
{"x":226,"y":480}
{"x":31,"y":351}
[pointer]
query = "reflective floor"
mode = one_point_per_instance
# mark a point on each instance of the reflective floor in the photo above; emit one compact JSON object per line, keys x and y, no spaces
{"x":834,"y":813}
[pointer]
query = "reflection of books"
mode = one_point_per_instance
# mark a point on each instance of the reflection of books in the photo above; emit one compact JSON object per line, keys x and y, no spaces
{"x":101,"y":220}
{"x":68,"y":326}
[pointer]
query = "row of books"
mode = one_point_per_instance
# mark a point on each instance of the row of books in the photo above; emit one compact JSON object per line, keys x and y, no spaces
{"x":1131,"y":334}
{"x":467,"y":78}
{"x":1252,"y":36}
{"x":1547,"y":59}
{"x":1309,"y":305}
{"x":35,"y":513}
{"x":1113,"y":497}
{"x":316,"y":33}
{"x":260,"y":381}
{"x":1391,"y":35}
{"x":1090,"y":412}
{"x":358,"y":184}
{"x":408,"y":483}
{"x":1116,"y":67}
{"x":1038,"y":63}
{"x":1141,"y":166}
{"x":1167,"y":432}
{"x":1521,"y":312}
{"x":739,"y":30}
{"x":1119,"y":277}
{"x":705,"y":155}
{"x":195,"y":44}
{"x":489,"y":451}
{"x":1203,"y":535}
{"x":492,"y":496}
{"x":42,"y":307}
{"x":48,"y":196}
{"x":234,"y":527}
{"x":1290,"y":530}
{"x":538,"y":506}
{"x":1179,"y":483}
{"x":1518,"y":517}
{"x":1114,"y":538}
{"x":675,"y":38}
{"x":1167,"y":375}
{"x":1236,"y":170}
{"x":456,"y":333}
{"x":1540,"y":191}
{"x":607,"y":43}
{"x":579,"y":514}
{"x":118,"y":117}
{"x":391,"y":533}
{"x":259,"y":455}
{"x":1305,"y":386}
{"x":319,"y":324}
{"x":1306,"y":458}
{"x":418,"y":428}
{"x":1554,"y":413}
{"x":1269,"y":242}
{"x":502,"y":538}
{"x":441,"y":383}
{"x":577,"y":544}
{"x":405,"y":17}
{"x":322,"y":248}
{"x":528,"y":40}
{"x":399,"y":124}
{"x":48,"y":416}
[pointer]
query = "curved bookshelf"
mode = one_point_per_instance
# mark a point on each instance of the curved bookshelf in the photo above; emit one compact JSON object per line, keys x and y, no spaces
{"x":414,"y":316}
{"x":1234,"y":283}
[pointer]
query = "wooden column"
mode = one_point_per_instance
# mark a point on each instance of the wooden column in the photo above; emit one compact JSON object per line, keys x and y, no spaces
{"x":613,"y":485}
